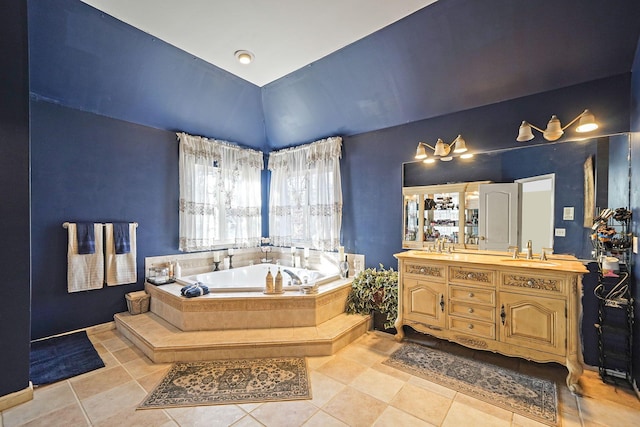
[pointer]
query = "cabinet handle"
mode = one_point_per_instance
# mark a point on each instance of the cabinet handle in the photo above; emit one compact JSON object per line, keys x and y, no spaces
{"x":471,"y":295}
{"x":470,"y":326}
{"x":503,"y":315}
{"x":530,"y":283}
{"x":442,"y":303}
{"x":470,"y":276}
{"x":422,"y":270}
{"x":470,"y":310}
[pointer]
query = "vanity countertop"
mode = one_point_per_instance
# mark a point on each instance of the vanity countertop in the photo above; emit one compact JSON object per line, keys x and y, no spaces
{"x":565,"y":263}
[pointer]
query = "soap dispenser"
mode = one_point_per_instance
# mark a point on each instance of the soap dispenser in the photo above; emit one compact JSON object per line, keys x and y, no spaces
{"x":278,"y":283}
{"x":268,"y":285}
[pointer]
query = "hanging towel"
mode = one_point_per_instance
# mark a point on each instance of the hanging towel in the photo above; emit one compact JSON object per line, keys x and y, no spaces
{"x":121,"y":237}
{"x":195,"y":290}
{"x":84,"y":271}
{"x":86,"y":238}
{"x":121,"y":268}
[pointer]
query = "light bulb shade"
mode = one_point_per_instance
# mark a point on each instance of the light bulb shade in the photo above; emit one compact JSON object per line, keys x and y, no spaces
{"x":460,"y":145}
{"x":554,"y":129}
{"x":441,"y":149}
{"x":421,"y":152}
{"x":524,"y":133}
{"x":587,"y":122}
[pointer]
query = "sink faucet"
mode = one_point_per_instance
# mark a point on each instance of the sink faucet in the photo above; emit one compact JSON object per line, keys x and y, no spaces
{"x":529,"y":250}
{"x":515,"y":250}
{"x":295,"y":280}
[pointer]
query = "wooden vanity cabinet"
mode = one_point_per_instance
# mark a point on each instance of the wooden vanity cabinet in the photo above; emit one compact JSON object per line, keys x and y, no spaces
{"x":477,"y":301}
{"x":425,"y":293}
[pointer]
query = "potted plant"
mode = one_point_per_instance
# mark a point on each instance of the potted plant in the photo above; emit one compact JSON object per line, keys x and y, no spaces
{"x":375,"y":291}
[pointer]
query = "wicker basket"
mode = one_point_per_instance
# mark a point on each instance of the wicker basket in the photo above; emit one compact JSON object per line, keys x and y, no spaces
{"x":137,"y":302}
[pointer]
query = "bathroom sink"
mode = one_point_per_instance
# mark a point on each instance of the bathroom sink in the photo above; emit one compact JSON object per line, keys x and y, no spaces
{"x":529,"y":262}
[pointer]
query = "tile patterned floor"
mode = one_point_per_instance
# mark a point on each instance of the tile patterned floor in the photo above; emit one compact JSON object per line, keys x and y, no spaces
{"x":350,"y":388}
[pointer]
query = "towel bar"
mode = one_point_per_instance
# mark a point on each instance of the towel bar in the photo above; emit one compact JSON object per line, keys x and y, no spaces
{"x":66,"y":224}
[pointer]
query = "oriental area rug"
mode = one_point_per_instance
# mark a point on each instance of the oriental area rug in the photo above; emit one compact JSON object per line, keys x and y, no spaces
{"x":528,"y":396}
{"x":223,"y":382}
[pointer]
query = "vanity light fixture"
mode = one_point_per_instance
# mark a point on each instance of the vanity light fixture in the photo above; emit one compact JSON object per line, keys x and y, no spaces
{"x":442,"y":150}
{"x":555,"y":130}
{"x":244,"y":56}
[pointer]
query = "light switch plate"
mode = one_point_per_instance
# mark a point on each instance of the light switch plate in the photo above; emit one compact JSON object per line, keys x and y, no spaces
{"x":561,"y":232}
{"x":567,"y":213}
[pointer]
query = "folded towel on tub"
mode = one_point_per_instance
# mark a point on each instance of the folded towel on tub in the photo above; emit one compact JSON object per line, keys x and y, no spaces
{"x":84,"y":271}
{"x":195,"y":290}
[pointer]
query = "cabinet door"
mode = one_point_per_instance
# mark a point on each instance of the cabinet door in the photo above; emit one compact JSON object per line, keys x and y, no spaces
{"x":424,"y":302}
{"x":533,"y":322}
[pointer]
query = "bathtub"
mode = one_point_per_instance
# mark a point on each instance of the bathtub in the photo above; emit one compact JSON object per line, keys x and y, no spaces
{"x":252,"y":278}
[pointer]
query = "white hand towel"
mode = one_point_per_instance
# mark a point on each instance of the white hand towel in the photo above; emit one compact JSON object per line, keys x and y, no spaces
{"x":121,"y":268}
{"x":84,"y":272}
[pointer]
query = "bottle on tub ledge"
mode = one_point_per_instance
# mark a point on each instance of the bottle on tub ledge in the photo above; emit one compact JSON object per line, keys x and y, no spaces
{"x":268,"y":282}
{"x":344,"y":268}
{"x":277,"y":288}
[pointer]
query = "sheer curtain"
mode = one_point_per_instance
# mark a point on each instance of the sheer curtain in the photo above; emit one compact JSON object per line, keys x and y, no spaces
{"x":305,"y":202}
{"x":220,"y":194}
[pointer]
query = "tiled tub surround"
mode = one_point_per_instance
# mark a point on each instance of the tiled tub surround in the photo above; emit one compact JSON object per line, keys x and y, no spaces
{"x":202,"y":262}
{"x":243,"y":324}
{"x":253,"y":310}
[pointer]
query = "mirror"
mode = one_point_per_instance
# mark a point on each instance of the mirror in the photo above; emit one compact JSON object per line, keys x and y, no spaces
{"x":566,"y":160}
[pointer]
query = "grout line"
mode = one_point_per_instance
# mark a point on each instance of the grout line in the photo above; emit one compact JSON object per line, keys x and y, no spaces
{"x":79,"y":403}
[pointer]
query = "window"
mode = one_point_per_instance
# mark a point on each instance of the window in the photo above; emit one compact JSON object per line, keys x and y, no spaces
{"x":305,"y":202}
{"x":220,"y":196}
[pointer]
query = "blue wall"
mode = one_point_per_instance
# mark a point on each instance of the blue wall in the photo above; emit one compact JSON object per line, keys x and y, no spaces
{"x":92,"y":168}
{"x":90,"y":61}
{"x":372,"y":163}
{"x":14,"y":209}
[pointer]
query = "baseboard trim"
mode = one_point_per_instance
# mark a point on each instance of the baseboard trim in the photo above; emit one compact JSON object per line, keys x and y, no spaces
{"x":16,"y":398}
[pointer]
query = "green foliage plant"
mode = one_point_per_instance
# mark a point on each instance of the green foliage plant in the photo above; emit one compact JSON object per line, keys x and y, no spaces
{"x":375,"y":290}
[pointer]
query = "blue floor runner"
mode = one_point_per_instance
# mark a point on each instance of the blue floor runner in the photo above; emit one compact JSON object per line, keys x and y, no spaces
{"x":66,"y":356}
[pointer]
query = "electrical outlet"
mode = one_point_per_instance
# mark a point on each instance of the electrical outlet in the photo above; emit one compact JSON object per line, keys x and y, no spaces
{"x":561,"y":232}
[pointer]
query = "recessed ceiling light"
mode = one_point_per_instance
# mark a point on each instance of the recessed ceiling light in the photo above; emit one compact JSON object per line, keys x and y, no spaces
{"x":244,"y":56}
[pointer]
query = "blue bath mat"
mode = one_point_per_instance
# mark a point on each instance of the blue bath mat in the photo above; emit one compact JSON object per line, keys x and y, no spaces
{"x":59,"y":358}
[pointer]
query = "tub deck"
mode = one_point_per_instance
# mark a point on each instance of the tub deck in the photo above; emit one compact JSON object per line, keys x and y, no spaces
{"x":248,"y":310}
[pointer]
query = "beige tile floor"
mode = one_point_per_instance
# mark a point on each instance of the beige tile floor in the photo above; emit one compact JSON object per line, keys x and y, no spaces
{"x":350,"y":388}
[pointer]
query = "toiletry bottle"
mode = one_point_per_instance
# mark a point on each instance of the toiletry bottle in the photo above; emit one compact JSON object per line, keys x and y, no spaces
{"x":278,"y":282}
{"x":177,"y":270}
{"x":171,"y":270}
{"x":344,"y":268}
{"x":268,"y":285}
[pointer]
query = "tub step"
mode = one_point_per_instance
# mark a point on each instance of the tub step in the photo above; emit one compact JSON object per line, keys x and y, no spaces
{"x":164,"y":343}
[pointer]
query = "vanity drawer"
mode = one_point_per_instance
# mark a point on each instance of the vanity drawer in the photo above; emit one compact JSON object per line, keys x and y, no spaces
{"x":472,"y":295}
{"x":477,"y":276}
{"x":434,"y":272}
{"x":535,"y":282}
{"x":473,"y":327}
{"x":472,"y":311}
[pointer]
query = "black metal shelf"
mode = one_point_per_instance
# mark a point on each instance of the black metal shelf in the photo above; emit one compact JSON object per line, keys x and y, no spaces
{"x":615,"y":311}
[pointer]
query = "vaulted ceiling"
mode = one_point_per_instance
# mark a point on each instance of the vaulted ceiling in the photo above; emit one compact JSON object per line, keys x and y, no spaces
{"x":449,"y":56}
